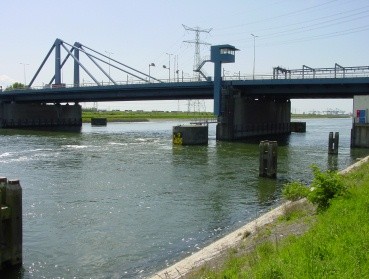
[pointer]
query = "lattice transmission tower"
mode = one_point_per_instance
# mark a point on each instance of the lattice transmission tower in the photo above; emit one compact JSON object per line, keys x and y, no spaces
{"x":197,"y":42}
{"x":197,"y":58}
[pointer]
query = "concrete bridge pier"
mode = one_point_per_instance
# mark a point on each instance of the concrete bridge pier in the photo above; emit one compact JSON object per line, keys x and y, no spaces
{"x":360,"y":125}
{"x":244,"y":116}
{"x":36,"y":115}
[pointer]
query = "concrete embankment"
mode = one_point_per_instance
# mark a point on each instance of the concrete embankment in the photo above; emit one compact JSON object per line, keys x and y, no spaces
{"x":214,"y":250}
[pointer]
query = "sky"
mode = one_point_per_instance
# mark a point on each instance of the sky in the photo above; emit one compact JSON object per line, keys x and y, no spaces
{"x":290,"y":33}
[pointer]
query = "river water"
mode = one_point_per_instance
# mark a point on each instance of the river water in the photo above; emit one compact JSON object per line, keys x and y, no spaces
{"x":122,"y":202}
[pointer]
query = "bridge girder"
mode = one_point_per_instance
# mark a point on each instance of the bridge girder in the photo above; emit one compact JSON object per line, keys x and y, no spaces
{"x":137,"y":92}
{"x":289,"y":89}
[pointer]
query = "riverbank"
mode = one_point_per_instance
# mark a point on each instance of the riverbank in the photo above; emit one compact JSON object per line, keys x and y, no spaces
{"x":313,"y":115}
{"x":258,"y":248}
{"x":144,"y":116}
{"x":216,"y":254}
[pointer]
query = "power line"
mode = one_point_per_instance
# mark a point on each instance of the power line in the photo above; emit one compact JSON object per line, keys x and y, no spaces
{"x":332,"y":20}
{"x":309,"y":38}
{"x":278,"y":16}
{"x":321,"y":36}
{"x":310,"y":27}
{"x":321,"y":24}
{"x":319,"y":18}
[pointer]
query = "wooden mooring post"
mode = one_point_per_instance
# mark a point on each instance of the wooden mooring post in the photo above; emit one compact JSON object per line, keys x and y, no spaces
{"x":11,"y":233}
{"x":268,"y":159}
{"x":333,"y":143}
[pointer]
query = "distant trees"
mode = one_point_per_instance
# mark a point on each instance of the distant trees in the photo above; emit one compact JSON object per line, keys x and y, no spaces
{"x":15,"y":85}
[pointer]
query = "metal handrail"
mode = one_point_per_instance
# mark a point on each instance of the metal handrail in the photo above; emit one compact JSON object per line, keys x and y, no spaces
{"x":346,"y":72}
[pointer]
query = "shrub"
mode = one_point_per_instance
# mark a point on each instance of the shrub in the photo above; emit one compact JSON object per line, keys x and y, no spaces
{"x":294,"y":191}
{"x":324,"y":187}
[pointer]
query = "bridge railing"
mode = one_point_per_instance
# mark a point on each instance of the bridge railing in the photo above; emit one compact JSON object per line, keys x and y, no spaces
{"x":349,"y":72}
{"x":247,"y":77}
{"x":107,"y":83}
{"x":305,"y":72}
{"x":298,"y":76}
{"x":136,"y":81}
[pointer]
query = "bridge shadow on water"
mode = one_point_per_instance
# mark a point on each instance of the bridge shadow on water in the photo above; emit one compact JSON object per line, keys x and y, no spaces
{"x":15,"y":272}
{"x":39,"y":131}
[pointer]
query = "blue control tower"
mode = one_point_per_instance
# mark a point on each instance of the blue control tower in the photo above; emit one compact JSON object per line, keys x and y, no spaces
{"x":220,"y":54}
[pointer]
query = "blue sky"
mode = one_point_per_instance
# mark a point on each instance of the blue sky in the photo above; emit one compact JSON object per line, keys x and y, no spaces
{"x":291,"y":33}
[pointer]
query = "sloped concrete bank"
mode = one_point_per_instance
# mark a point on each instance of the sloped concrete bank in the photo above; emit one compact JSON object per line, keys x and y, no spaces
{"x":232,"y":240}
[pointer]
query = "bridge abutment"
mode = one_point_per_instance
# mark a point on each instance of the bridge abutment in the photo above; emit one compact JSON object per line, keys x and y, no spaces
{"x":244,"y":116}
{"x":360,"y":125}
{"x":15,"y":115}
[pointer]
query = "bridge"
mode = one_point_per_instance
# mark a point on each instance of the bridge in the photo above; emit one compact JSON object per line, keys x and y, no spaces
{"x":329,"y":88}
{"x":244,"y":107}
{"x":103,"y":93}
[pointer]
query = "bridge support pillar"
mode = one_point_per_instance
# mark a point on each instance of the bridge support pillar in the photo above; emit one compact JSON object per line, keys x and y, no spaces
{"x":190,"y":135}
{"x":14,"y":115}
{"x":360,"y":126}
{"x":244,"y":117}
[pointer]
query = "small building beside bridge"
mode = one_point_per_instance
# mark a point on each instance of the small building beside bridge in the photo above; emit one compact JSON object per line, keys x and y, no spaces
{"x":360,"y":125}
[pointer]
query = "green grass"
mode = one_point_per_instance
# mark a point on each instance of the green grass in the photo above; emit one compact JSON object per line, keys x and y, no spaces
{"x":293,"y":212}
{"x":310,"y":115}
{"x":336,"y":246}
{"x":117,"y":116}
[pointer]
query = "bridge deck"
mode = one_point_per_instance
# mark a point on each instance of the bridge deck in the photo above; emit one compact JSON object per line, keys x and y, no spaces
{"x":283,"y":88}
{"x":304,"y":88}
{"x":130,"y":92}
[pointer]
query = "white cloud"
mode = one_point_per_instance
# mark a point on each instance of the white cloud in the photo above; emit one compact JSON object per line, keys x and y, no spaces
{"x":5,"y":81}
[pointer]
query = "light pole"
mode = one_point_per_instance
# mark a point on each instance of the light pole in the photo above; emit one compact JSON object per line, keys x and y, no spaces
{"x":169,"y":54}
{"x":24,"y":73}
{"x":151,"y":65}
{"x":168,"y":68}
{"x":109,"y":53}
{"x":253,"y":70}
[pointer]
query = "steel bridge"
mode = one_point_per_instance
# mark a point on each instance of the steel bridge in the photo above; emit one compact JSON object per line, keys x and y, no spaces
{"x":244,"y":106}
{"x":337,"y":82}
{"x":286,"y":88}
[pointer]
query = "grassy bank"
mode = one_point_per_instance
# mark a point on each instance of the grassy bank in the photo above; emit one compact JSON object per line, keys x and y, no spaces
{"x":136,"y":116}
{"x":310,"y":115}
{"x":133,"y":116}
{"x":336,"y":244}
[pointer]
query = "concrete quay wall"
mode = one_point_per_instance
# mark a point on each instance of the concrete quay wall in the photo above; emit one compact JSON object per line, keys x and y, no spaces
{"x":14,"y":115}
{"x":360,"y":135}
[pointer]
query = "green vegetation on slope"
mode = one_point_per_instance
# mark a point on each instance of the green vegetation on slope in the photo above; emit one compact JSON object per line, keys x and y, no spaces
{"x":336,"y":246}
{"x":312,"y":115}
{"x":122,"y":116}
{"x":131,"y":116}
